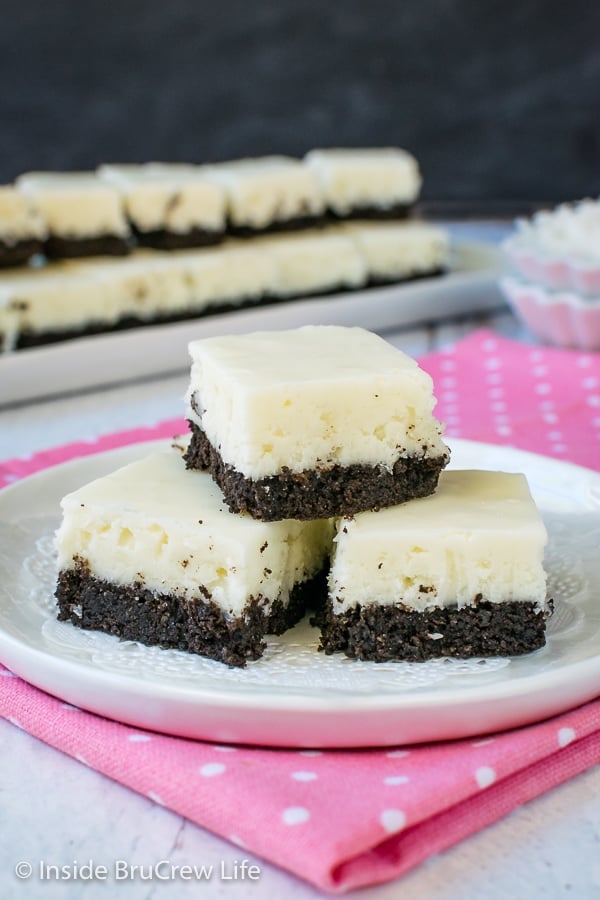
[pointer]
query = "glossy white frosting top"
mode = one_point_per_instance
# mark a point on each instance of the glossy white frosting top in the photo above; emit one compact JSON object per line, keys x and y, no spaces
{"x":311,"y":397}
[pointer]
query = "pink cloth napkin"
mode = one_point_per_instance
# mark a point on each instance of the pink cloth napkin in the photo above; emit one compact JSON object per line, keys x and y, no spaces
{"x":340,"y":819}
{"x":346,"y":819}
{"x":500,"y":391}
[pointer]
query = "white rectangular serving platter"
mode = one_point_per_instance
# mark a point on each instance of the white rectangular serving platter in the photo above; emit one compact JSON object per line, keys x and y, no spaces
{"x":100,"y":360}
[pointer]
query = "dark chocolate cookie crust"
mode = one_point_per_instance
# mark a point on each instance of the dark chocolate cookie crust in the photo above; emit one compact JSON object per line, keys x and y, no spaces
{"x":316,"y":493}
{"x":382,"y":633}
{"x":100,"y":245}
{"x":277,"y":226}
{"x":396,"y":211}
{"x":20,"y":252}
{"x":135,"y":613}
{"x":163,"y":239}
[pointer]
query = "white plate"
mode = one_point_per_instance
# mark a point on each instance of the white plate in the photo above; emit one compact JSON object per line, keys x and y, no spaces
{"x":106,"y":359}
{"x":295,"y":696}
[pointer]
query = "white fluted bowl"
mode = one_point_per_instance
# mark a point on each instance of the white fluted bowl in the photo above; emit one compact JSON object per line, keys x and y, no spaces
{"x":553,"y":271}
{"x":560,"y":317}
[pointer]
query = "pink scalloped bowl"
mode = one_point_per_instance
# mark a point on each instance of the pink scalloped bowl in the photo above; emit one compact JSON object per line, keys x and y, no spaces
{"x":555,"y":272}
{"x":562,"y":318}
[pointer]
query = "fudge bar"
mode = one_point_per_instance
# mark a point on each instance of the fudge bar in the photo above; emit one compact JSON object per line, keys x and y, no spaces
{"x":313,"y":263}
{"x":379,"y":183}
{"x":270,"y":193}
{"x":84,"y":214}
{"x":150,"y":553}
{"x":41,"y":306}
{"x":400,"y":251}
{"x":459,"y":573}
{"x":169,"y":206}
{"x":314,"y":422}
{"x":75,"y":298}
{"x":22,"y":229}
{"x":147,"y":287}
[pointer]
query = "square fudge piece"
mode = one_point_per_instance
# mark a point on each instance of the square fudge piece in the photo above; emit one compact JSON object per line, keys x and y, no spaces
{"x":375,"y":183}
{"x":170,"y":206}
{"x":399,"y":251}
{"x":150,"y":553}
{"x":270,"y":193}
{"x":22,"y":229}
{"x":317,"y":261}
{"x":53,"y":303}
{"x":314,"y":422}
{"x":231,"y":276}
{"x":146,"y":287}
{"x":84,"y":214}
{"x":458,"y":574}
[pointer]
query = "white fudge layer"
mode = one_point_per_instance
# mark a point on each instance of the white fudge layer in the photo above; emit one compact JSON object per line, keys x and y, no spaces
{"x":355,"y":178}
{"x":309,"y":398}
{"x":396,"y":251}
{"x":204,"y":274}
{"x":271,"y":189}
{"x":314,"y":262}
{"x":55,"y":299}
{"x":173,"y":198}
{"x":156,"y":522}
{"x":76,"y":204}
{"x":146,"y":285}
{"x":479,"y":534}
{"x":151,"y":284}
{"x":20,"y":219}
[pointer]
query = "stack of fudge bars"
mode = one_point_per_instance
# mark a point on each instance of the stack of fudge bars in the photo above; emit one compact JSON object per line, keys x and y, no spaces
{"x":171,"y":206}
{"x":73,"y":298}
{"x":284,"y":228}
{"x":312,"y":480}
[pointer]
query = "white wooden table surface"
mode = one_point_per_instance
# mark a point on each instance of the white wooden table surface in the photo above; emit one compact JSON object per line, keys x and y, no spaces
{"x":54,"y":809}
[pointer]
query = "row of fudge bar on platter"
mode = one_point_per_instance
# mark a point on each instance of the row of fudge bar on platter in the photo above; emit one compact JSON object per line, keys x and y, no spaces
{"x":72,"y":298}
{"x":172,"y":206}
{"x":313,"y":480}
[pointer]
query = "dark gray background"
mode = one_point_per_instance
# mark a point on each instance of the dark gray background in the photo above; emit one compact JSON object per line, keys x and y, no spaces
{"x":499,"y":100}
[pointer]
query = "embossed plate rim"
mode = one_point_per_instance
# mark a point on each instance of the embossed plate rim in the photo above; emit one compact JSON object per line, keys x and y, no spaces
{"x":310,"y":719}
